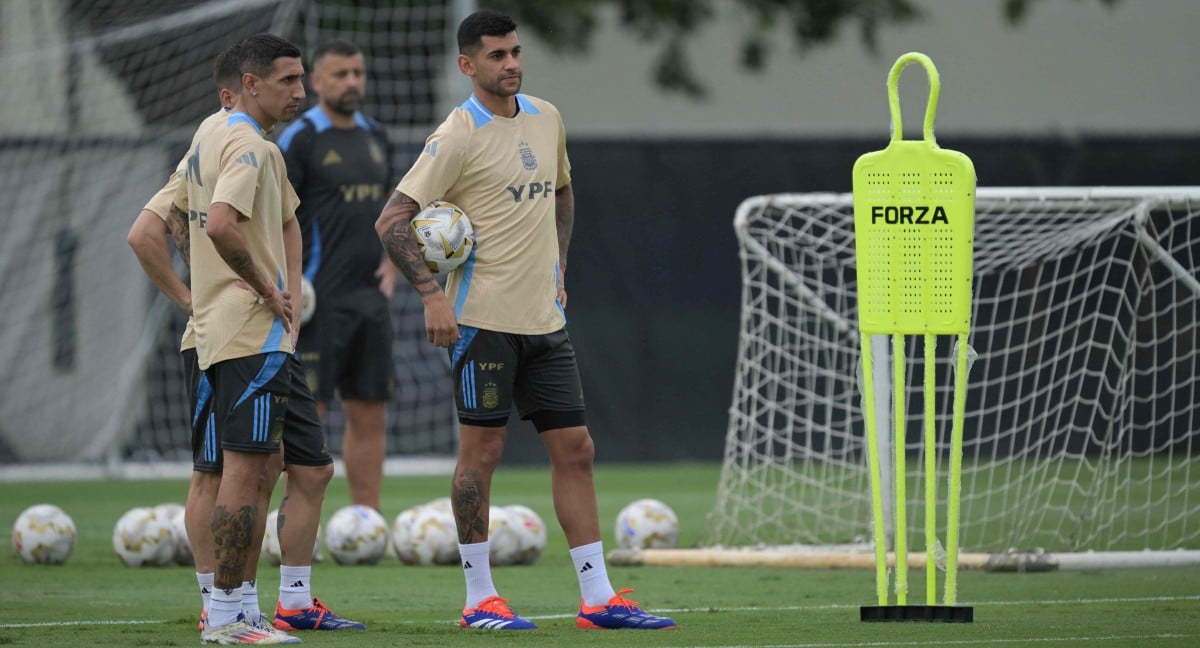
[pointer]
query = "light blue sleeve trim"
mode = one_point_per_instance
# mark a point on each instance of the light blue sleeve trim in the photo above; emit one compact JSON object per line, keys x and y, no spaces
{"x":526,"y":105}
{"x":243,"y":117}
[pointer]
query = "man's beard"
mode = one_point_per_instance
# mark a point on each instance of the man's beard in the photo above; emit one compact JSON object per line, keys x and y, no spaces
{"x":498,"y":89}
{"x":346,"y":106}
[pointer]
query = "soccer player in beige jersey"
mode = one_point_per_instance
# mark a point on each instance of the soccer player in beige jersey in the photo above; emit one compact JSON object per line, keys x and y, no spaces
{"x":501,"y":156}
{"x":146,"y":236}
{"x":244,"y":249}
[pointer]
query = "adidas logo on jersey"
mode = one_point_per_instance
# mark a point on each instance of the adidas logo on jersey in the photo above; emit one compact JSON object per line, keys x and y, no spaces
{"x":331,"y":158}
{"x":249,"y":159}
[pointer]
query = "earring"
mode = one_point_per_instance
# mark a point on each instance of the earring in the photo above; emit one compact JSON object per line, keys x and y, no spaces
{"x":255,"y":93}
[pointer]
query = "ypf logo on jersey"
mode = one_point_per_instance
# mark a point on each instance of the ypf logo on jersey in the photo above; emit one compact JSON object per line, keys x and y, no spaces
{"x":528,"y":161}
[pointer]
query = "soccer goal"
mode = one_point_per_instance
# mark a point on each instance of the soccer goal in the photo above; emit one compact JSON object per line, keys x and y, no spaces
{"x":1081,"y":420}
{"x":103,"y":98}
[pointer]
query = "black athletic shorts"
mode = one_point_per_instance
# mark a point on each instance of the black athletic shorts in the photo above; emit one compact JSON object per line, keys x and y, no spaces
{"x":538,"y":373}
{"x":347,"y":347}
{"x":261,"y":400}
{"x":206,"y":452}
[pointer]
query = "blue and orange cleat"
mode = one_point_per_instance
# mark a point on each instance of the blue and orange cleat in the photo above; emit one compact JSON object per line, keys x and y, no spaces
{"x":620,"y":612}
{"x":314,"y":617}
{"x":493,"y":613}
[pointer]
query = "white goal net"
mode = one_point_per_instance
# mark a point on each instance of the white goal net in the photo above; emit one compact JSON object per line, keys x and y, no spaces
{"x":1081,"y":424}
{"x":101,"y":99}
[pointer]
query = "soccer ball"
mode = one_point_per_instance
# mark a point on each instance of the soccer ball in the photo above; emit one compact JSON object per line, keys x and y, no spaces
{"x":44,"y":534}
{"x":142,"y":537}
{"x":503,"y":543}
{"x":403,"y":541}
{"x":647,"y":524}
{"x":270,"y":546}
{"x":445,"y":235}
{"x":308,"y":300}
{"x":435,"y":538}
{"x":441,"y":504}
{"x":356,"y":535}
{"x":530,"y":532}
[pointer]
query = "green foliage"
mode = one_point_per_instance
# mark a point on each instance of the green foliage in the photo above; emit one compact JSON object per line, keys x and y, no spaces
{"x":569,"y":24}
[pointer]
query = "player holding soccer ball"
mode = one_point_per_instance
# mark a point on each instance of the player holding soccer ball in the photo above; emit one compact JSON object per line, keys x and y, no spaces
{"x":502,"y":158}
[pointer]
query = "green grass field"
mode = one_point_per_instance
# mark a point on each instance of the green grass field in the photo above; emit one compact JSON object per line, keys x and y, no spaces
{"x":95,"y":601}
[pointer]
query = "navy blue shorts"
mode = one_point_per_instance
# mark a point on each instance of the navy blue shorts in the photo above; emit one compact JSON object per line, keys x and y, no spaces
{"x":259,"y":401}
{"x":206,"y":451}
{"x":492,"y":371}
{"x":347,"y":347}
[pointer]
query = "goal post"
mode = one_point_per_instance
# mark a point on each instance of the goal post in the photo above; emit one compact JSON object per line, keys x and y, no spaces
{"x":1080,"y":422}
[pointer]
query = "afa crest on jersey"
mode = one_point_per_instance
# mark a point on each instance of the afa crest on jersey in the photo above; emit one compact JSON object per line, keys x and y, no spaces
{"x":528,"y":161}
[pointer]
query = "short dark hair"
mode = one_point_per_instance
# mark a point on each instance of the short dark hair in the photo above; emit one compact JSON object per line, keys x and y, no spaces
{"x":336,"y":46}
{"x":227,"y":69}
{"x":479,"y":24}
{"x":260,"y":51}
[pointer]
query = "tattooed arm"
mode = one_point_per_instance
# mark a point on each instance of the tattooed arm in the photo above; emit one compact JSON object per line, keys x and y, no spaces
{"x":181,"y":233}
{"x":564,"y":221}
{"x":148,"y":238}
{"x":222,"y":229}
{"x":399,"y":241}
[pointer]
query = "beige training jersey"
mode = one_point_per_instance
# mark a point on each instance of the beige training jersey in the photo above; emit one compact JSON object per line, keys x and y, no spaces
{"x":231,"y":163}
{"x":160,"y":204}
{"x":503,"y":173}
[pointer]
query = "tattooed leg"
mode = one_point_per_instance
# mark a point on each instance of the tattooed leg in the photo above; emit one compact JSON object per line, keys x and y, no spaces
{"x":233,"y":533}
{"x":479,"y":453}
{"x":236,"y":516}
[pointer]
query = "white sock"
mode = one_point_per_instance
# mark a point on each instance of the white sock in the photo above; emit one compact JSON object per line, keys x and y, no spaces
{"x":206,"y":586}
{"x":224,"y":606}
{"x":250,"y":601}
{"x":593,"y":575}
{"x":478,"y":571}
{"x":295,"y":587}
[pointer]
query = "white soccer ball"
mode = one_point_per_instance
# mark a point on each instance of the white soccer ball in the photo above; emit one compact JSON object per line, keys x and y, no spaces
{"x":356,"y":535}
{"x":435,"y":538}
{"x":44,"y":534}
{"x":308,"y":300}
{"x":445,"y":235}
{"x":403,"y":535}
{"x":503,"y":543}
{"x":647,"y":524}
{"x":143,"y":538}
{"x":530,"y":532}
{"x":441,"y":504}
{"x":270,"y":546}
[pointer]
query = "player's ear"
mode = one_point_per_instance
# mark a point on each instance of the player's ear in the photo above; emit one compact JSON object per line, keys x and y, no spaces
{"x":466,"y":65}
{"x":250,"y":83}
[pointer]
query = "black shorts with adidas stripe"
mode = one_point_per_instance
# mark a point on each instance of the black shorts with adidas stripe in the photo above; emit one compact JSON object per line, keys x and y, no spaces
{"x":492,"y":371}
{"x":262,"y":400}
